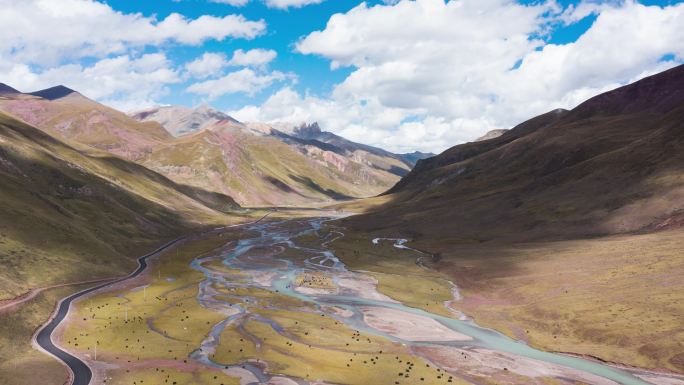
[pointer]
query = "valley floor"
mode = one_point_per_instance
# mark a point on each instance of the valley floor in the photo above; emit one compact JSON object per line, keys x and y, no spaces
{"x":303,"y":301}
{"x":619,"y":298}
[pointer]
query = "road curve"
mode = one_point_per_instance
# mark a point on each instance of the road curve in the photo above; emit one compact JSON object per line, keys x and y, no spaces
{"x":80,"y":372}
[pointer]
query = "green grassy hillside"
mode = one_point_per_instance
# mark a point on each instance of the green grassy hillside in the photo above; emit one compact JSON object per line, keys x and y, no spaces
{"x":565,"y":231}
{"x":70,"y":215}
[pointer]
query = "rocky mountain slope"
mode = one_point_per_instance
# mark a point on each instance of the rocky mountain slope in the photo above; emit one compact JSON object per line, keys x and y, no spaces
{"x":7,"y":90}
{"x":258,"y":169}
{"x":376,"y":156}
{"x":262,"y":164}
{"x":179,"y":120}
{"x":414,"y":157}
{"x":491,"y":135}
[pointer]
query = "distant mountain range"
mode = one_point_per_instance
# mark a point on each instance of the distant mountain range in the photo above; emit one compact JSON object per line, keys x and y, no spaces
{"x":180,"y":121}
{"x":260,"y":164}
{"x":611,"y":165}
{"x":255,"y":163}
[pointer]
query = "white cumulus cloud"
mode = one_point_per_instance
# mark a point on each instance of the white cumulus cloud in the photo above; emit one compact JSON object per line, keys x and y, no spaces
{"x":106,"y":54}
{"x":235,"y":3}
{"x":208,"y":64}
{"x":428,"y":74}
{"x":283,"y":4}
{"x":245,"y":81}
{"x":280,"y":4}
{"x":122,"y":81}
{"x":254,"y":57}
{"x":44,"y":32}
{"x":211,"y":64}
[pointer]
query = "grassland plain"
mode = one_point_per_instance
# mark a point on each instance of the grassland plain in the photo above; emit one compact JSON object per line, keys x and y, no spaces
{"x":394,"y":269}
{"x":170,"y":376}
{"x":155,"y":324}
{"x":21,"y":364}
{"x":320,"y":348}
{"x":341,"y":366}
{"x":158,"y":320}
{"x":617,"y":298}
{"x":160,"y":327}
{"x":314,"y":345}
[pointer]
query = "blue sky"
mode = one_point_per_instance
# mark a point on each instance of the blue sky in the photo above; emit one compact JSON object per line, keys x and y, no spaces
{"x":285,"y":27}
{"x":400,"y":74}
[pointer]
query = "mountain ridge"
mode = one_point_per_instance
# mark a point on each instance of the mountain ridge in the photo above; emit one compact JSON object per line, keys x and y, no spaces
{"x":531,"y":180}
{"x":5,"y":89}
{"x":322,"y":166}
{"x":491,"y":134}
{"x":54,"y":93}
{"x":254,"y":163}
{"x":264,"y":169}
{"x":72,"y":117}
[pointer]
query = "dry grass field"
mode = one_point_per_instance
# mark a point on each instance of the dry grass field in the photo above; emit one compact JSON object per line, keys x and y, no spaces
{"x":618,"y":298}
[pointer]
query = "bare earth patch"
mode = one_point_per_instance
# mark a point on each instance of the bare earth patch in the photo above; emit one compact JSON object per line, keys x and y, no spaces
{"x":409,"y":327}
{"x":503,"y":366}
{"x":362,"y":286}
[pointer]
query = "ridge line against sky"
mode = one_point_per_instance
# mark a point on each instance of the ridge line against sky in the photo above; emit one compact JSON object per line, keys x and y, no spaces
{"x":402,"y":75}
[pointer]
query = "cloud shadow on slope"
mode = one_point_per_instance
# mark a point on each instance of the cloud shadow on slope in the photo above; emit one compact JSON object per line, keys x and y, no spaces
{"x":314,"y":186}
